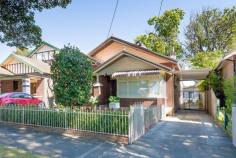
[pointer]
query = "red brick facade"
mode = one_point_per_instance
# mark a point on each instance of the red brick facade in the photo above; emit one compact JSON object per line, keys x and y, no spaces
{"x":7,"y":86}
{"x":126,"y":102}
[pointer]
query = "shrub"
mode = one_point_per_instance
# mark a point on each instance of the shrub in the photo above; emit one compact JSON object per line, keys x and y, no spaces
{"x":72,"y":77}
{"x":114,"y":99}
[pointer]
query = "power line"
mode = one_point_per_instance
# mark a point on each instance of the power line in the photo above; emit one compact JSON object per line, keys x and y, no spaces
{"x":160,"y":9}
{"x":117,"y":1}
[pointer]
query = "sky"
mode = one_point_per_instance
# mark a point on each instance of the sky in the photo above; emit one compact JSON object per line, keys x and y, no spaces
{"x":85,"y":23}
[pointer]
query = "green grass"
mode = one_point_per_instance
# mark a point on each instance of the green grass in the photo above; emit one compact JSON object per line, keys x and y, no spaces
{"x":11,"y":152}
{"x":220,"y":119}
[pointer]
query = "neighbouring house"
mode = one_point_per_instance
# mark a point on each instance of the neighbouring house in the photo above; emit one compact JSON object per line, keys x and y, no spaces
{"x":134,"y":74}
{"x":226,"y":69}
{"x":30,"y":73}
{"x":131,"y":72}
{"x":227,"y":66}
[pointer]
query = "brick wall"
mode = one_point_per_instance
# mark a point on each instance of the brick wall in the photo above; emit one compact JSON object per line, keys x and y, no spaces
{"x":126,"y":102}
{"x":7,"y":86}
{"x":39,"y":87}
{"x":170,"y":91}
{"x":104,"y":93}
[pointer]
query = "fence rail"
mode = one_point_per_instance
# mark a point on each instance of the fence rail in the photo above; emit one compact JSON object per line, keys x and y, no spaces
{"x":99,"y":121}
{"x":132,"y":123}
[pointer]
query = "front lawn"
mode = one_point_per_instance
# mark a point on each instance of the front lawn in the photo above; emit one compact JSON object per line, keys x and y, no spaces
{"x":11,"y":152}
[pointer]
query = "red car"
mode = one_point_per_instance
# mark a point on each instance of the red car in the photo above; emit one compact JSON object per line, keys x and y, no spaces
{"x":19,"y":98}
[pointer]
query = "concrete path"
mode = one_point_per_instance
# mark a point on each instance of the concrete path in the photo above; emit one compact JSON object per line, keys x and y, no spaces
{"x":186,"y":135}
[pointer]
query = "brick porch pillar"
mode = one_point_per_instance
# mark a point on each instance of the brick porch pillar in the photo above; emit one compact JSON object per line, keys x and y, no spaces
{"x":26,"y":85}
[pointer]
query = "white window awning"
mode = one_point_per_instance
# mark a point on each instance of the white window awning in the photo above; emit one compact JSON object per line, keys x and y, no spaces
{"x":135,"y":73}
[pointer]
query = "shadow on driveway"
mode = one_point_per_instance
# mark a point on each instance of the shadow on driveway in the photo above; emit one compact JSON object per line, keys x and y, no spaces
{"x":191,"y":134}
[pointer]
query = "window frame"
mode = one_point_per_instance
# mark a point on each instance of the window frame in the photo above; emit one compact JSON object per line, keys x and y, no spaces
{"x":161,"y":87}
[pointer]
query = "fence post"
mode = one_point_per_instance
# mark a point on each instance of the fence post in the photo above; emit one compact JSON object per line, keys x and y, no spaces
{"x":23,"y":115}
{"x":130,"y":122}
{"x":65,"y":120}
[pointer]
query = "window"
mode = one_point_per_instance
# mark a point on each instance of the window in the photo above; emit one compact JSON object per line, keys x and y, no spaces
{"x":33,"y":88}
{"x":140,"y":89}
{"x":15,"y":85}
{"x":27,"y":96}
{"x":16,"y":95}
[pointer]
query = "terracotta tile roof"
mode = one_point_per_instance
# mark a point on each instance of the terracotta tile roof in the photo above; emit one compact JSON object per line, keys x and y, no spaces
{"x":112,"y":39}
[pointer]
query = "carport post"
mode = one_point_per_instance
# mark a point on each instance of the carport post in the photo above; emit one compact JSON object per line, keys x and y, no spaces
{"x":234,"y":124}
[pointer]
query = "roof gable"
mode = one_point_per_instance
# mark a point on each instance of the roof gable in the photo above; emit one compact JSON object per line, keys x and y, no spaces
{"x":37,"y":65}
{"x":43,"y":47}
{"x":124,"y":45}
{"x":146,"y":63}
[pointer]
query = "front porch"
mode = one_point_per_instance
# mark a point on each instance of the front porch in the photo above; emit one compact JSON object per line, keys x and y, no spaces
{"x":22,"y":74}
{"x":30,"y":85}
{"x":144,"y":89}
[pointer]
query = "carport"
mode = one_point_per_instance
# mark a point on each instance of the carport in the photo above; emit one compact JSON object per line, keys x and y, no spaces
{"x":182,"y":93}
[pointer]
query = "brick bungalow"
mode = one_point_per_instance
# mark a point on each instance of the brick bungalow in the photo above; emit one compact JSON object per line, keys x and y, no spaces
{"x":131,"y":72}
{"x":134,"y":74}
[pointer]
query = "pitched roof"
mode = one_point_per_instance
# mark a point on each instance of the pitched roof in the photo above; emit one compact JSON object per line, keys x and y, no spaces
{"x":40,"y":46}
{"x":225,"y":58}
{"x":115,"y":39}
{"x":124,"y":53}
{"x":38,"y":65}
{"x":5,"y":72}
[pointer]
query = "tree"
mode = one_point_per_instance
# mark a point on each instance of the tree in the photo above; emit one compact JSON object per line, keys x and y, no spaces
{"x":206,"y":59}
{"x":17,"y":24}
{"x":211,"y":30}
{"x":72,"y":77}
{"x":164,"y":39}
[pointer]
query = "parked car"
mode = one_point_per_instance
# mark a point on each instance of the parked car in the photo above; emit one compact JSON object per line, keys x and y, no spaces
{"x":19,"y":98}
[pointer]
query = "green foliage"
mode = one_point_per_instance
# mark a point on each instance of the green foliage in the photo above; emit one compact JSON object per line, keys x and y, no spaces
{"x":72,"y":77}
{"x":213,"y":81}
{"x":114,"y":99}
{"x":93,"y":100}
{"x":211,"y":30}
{"x":97,"y":121}
{"x":206,"y":59}
{"x":229,"y":91}
{"x":164,"y":38}
{"x":17,"y":24}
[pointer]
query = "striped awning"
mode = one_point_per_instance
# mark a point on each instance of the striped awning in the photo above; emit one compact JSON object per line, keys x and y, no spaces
{"x":135,"y":73}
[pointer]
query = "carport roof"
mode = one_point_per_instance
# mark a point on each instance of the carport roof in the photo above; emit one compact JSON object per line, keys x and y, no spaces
{"x":195,"y":74}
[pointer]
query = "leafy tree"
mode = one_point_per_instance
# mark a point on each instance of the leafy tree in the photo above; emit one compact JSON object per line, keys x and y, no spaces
{"x":164,"y":38}
{"x":206,"y":59}
{"x":72,"y":77}
{"x":17,"y":24}
{"x":211,"y":30}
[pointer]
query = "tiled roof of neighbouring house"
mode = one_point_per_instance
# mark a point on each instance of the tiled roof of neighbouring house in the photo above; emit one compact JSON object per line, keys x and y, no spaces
{"x":4,"y":72}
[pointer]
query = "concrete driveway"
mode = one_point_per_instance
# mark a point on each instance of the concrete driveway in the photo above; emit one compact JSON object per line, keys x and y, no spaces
{"x":186,"y":135}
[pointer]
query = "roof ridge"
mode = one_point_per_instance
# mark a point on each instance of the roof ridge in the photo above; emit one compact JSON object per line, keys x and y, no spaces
{"x":113,"y":38}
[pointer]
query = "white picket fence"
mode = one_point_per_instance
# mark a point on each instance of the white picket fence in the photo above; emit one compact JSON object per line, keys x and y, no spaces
{"x":141,"y":119}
